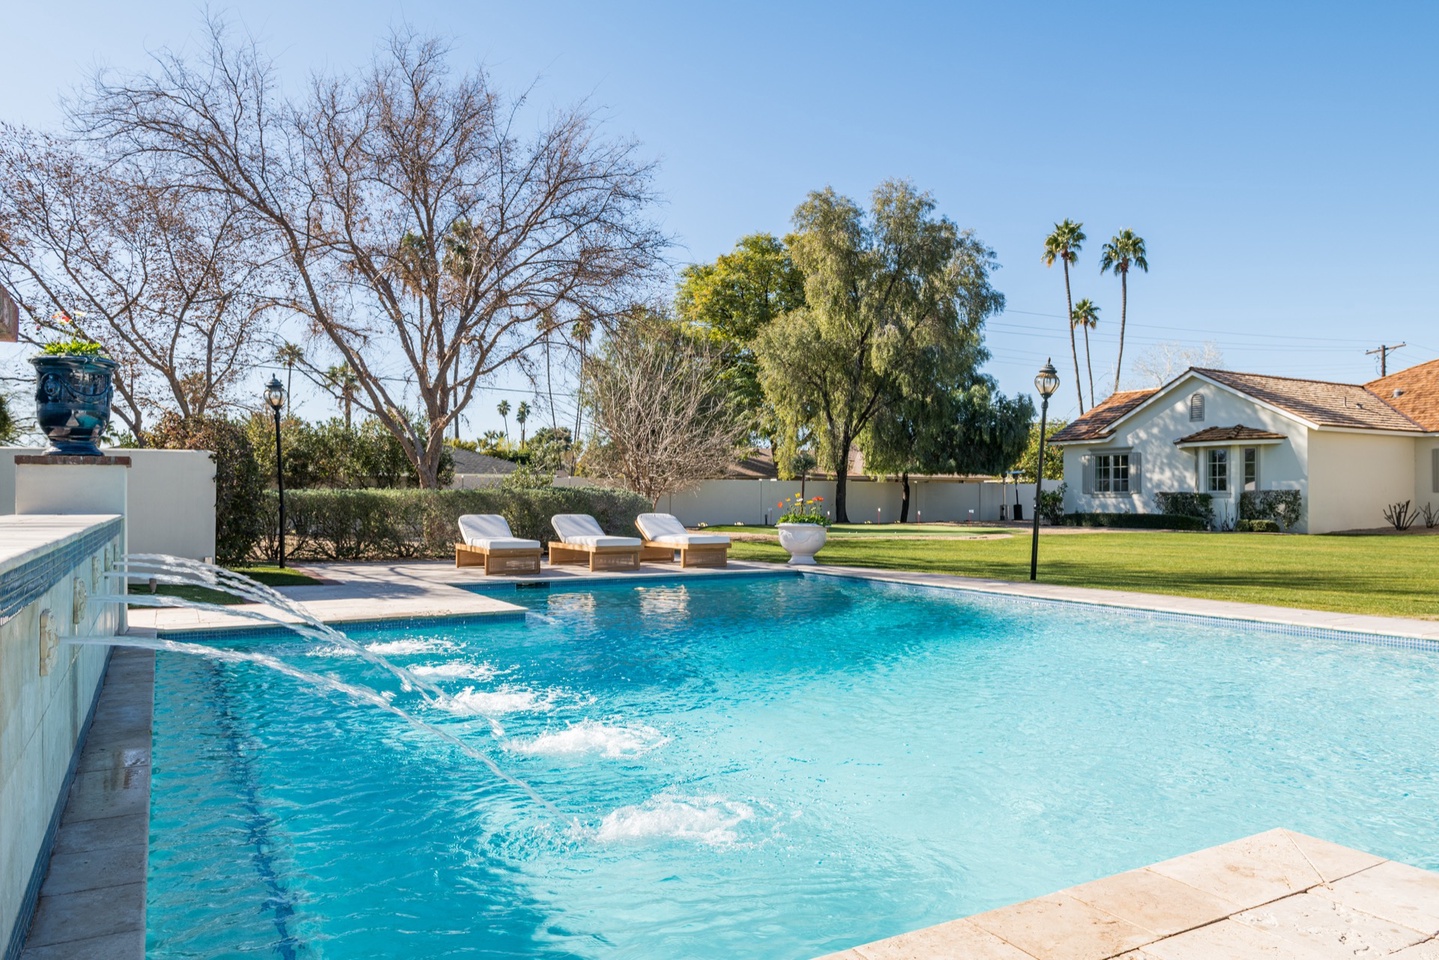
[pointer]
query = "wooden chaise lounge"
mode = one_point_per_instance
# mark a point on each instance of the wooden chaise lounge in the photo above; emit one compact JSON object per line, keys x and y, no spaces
{"x":486,"y":540}
{"x":665,"y":537}
{"x":583,"y":540}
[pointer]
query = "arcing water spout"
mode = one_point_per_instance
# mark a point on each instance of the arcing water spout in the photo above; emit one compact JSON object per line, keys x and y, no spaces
{"x":359,"y":694}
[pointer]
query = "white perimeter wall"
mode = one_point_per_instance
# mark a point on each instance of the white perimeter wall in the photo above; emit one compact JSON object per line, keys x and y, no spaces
{"x":932,"y":501}
{"x":171,"y":499}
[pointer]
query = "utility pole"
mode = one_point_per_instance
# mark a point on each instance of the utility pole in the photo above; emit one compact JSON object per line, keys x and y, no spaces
{"x":1384,"y":352}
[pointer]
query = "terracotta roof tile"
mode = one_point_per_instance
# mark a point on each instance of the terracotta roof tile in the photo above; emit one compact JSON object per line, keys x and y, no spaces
{"x":1318,"y":401}
{"x":1236,"y":432}
{"x":1096,"y":424}
{"x":1417,"y":393}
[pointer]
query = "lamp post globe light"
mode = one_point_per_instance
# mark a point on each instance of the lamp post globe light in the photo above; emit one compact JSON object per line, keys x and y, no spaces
{"x":275,"y":397}
{"x":1045,"y":382}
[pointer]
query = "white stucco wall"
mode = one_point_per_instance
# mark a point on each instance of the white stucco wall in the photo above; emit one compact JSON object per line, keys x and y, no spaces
{"x":171,"y":497}
{"x":932,"y":501}
{"x":1354,"y":476}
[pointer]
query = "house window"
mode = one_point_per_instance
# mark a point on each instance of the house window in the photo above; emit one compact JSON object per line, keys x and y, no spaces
{"x":1111,"y":473}
{"x":1196,"y":407}
{"x":1251,"y":468}
{"x":1218,"y":470}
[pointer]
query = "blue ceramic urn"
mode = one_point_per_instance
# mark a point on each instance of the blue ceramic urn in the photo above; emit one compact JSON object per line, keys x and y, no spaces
{"x":72,"y":401}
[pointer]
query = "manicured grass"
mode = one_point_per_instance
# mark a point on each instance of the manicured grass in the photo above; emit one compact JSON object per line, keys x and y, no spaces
{"x":268,"y":574}
{"x":882,"y":530}
{"x":1388,"y":576}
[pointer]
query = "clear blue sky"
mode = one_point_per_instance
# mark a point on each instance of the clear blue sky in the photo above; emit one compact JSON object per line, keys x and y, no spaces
{"x":1279,"y":158}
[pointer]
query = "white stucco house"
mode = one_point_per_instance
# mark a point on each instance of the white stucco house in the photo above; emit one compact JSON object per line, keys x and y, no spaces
{"x":1349,"y":449}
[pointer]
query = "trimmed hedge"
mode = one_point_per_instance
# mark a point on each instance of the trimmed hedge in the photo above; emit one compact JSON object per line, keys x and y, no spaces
{"x":1285,"y":507}
{"x":1134,"y":521}
{"x":424,"y":524}
{"x":1257,"y":526}
{"x":1197,"y":505}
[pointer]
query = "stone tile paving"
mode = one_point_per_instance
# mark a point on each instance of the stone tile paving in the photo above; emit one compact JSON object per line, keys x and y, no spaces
{"x":1279,"y":895}
{"x":92,"y":903}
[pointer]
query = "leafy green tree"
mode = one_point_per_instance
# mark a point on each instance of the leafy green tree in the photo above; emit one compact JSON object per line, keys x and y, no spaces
{"x":239,"y":483}
{"x":343,"y":383}
{"x":1119,"y":254}
{"x":1028,"y":461}
{"x":288,"y":354}
{"x":893,"y":297}
{"x":1064,"y":245}
{"x":961,"y":427}
{"x":733,"y":300}
{"x":9,"y":426}
{"x":1086,"y":315}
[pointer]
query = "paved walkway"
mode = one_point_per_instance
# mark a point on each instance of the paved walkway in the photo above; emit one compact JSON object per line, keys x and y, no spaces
{"x":1277,"y":895}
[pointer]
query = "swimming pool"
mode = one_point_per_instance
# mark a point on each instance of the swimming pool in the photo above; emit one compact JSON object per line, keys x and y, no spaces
{"x":755,"y":767}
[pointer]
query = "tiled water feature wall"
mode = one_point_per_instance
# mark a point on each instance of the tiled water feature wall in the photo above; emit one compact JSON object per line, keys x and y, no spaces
{"x":49,"y":568}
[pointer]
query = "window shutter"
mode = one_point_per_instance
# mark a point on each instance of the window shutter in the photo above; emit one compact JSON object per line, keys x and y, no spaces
{"x":1434,"y":455}
{"x":1136,"y":473}
{"x":1088,"y":466}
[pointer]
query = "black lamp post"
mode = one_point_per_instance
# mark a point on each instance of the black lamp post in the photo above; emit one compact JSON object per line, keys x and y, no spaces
{"x":1046,"y":382}
{"x":275,"y":397}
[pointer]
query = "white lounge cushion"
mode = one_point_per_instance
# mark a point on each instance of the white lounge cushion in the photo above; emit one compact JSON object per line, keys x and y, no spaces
{"x":689,"y":539}
{"x":484,"y":526}
{"x":503,"y":543}
{"x":603,"y":541}
{"x":666,"y":530}
{"x":583,"y":530}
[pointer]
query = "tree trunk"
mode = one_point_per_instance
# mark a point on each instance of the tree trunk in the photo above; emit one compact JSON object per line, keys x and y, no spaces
{"x":1123,"y":312}
{"x":1073,"y":347}
{"x":1089,"y":365}
{"x":904,"y":498}
{"x":841,"y":474}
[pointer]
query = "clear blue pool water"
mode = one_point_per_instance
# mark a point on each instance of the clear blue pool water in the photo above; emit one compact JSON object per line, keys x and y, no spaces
{"x":768,"y":767}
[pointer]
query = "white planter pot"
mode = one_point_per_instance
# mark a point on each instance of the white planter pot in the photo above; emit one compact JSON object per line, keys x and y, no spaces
{"x":802,"y":541}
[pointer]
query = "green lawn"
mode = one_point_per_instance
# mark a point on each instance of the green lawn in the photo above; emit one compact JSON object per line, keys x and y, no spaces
{"x":1390,"y":576}
{"x":268,"y":574}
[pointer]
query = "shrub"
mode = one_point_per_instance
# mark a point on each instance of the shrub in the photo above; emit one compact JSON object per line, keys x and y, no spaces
{"x":1051,"y":504}
{"x":1284,"y":507}
{"x":1197,"y":505}
{"x":1400,"y":515}
{"x":403,"y":524}
{"x":239,"y":489}
{"x":1257,"y":526}
{"x":1135,"y":521}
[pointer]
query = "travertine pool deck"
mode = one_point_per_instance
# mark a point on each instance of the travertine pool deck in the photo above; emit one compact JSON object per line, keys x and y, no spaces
{"x":1277,"y":895}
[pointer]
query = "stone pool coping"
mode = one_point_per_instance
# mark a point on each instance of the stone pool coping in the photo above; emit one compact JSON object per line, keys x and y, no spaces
{"x":1278,"y":894}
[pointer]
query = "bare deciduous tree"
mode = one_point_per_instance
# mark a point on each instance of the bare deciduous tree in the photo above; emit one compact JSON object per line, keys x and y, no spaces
{"x":662,"y":418}
{"x":1163,"y":362}
{"x":430,"y":242}
{"x":169,"y":280}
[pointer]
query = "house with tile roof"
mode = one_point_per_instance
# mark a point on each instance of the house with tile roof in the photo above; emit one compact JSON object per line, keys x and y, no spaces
{"x":1349,"y":449}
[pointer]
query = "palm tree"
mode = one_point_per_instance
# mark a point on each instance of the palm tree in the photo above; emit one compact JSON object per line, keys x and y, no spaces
{"x":343,"y":381}
{"x":522,"y":413}
{"x":581,"y":331}
{"x":1119,"y":254}
{"x":504,"y":411}
{"x":289,"y":354}
{"x":1086,"y":315}
{"x":1063,"y":245}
